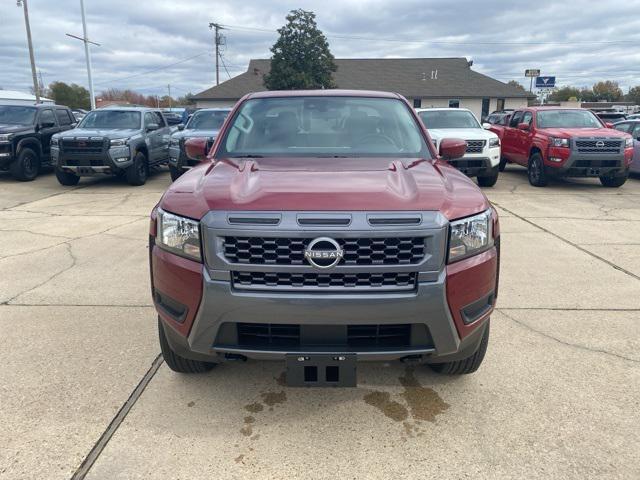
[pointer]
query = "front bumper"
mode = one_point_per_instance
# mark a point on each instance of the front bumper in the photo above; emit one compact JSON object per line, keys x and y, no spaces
{"x":106,"y":161}
{"x":6,"y":154}
{"x":447,"y":313}
{"x":572,"y":163}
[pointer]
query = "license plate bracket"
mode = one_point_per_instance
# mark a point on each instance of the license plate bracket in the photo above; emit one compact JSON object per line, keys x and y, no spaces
{"x":321,"y":370}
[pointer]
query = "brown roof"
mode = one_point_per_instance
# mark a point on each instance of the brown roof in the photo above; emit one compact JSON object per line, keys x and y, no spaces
{"x":411,"y":77}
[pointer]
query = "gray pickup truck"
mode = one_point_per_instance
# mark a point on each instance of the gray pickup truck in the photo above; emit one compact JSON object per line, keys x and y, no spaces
{"x":122,"y":141}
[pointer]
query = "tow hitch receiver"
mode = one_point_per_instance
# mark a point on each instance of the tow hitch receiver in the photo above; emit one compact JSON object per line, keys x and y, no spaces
{"x":325,"y":370}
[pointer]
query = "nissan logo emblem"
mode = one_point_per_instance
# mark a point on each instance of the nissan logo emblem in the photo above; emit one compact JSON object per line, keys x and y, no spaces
{"x":323,"y":253}
{"x":599,"y":144}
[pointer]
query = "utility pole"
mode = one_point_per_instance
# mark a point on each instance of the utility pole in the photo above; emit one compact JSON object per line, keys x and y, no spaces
{"x":36,"y":88}
{"x":218,"y":41}
{"x":87,"y":53}
{"x":169,"y":87}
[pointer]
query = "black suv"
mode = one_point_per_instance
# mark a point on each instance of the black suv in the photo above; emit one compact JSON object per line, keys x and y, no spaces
{"x":25,"y":135}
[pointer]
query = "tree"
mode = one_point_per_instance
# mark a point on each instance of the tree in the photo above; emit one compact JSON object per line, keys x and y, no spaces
{"x":301,"y":57}
{"x":517,"y":85}
{"x":73,"y":96}
{"x":607,"y":90}
{"x":634,"y":95}
{"x":565,"y":93}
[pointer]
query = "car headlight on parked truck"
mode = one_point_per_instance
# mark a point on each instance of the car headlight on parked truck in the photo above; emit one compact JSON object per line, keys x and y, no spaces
{"x":559,"y":142}
{"x":118,"y":142}
{"x":470,"y":236}
{"x":54,"y":141}
{"x":494,"y":142}
{"x":179,"y":235}
{"x":6,"y":137}
{"x":628,"y":142}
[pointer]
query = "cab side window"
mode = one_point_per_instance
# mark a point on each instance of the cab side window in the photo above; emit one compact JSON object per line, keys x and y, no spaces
{"x":47,"y":117}
{"x":63,"y":117}
{"x":526,"y":118}
{"x":636,"y":131}
{"x":160,"y":119}
{"x":515,"y":120}
{"x":149,"y":119}
{"x":624,"y":127}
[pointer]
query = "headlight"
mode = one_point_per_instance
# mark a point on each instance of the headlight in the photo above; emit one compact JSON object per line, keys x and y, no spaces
{"x":179,"y":235}
{"x":54,"y":142}
{"x":6,"y":137}
{"x":559,"y":142}
{"x":494,"y":142}
{"x":628,"y":142}
{"x":118,"y":142}
{"x":174,"y":142}
{"x":470,"y":236}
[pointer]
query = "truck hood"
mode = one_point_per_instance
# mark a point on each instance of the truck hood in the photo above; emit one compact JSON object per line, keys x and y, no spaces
{"x":97,"y":132}
{"x":195,"y":133}
{"x":583,"y":132}
{"x":322,"y":184}
{"x":462,"y":133}
{"x":11,"y":128}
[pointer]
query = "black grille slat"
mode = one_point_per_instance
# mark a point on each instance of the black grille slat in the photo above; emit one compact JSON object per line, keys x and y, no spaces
{"x":83,"y":147}
{"x":261,"y":335}
{"x":301,"y":281}
{"x":591,"y":146}
{"x":357,"y":251}
{"x":475,"y":146}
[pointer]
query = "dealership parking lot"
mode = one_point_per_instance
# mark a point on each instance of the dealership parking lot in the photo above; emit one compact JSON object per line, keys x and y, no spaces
{"x":557,"y":396}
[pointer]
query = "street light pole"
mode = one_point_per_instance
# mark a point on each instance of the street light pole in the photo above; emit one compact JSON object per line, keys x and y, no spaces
{"x":36,"y":87}
{"x":87,"y":54}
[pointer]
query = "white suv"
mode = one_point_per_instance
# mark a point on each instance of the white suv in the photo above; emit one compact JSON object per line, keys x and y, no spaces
{"x":483,"y":147}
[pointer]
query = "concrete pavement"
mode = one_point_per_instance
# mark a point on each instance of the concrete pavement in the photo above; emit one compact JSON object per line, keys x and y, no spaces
{"x":557,"y":396}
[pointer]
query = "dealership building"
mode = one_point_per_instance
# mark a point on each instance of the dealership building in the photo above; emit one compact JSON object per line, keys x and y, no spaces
{"x":425,"y":82}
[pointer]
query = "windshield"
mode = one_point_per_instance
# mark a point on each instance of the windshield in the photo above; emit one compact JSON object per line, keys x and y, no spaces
{"x":324,"y":127}
{"x":207,"y":120}
{"x":567,"y":119}
{"x":448,"y":119}
{"x":111,"y":119}
{"x":17,"y":115}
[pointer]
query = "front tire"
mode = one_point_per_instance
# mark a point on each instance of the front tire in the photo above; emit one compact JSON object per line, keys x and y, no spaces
{"x":536,"y":172}
{"x":175,"y":172}
{"x":176,"y":362}
{"x":614,"y":181}
{"x":67,"y":179}
{"x":488,"y":180}
{"x":466,"y":365}
{"x":25,"y":168}
{"x":503,"y":164}
{"x":138,"y":172}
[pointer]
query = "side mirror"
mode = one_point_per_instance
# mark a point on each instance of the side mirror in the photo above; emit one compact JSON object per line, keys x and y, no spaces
{"x":181,"y":126}
{"x":608,"y":124}
{"x":486,"y":125}
{"x":523,"y":126}
{"x":452,"y":148}
{"x":152,"y":126}
{"x":196,"y":148}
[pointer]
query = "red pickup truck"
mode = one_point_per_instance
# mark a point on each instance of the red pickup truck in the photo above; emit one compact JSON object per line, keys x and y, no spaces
{"x":565,"y":142}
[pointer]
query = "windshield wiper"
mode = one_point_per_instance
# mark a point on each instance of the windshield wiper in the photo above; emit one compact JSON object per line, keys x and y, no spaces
{"x":332,"y":156}
{"x":251,"y":155}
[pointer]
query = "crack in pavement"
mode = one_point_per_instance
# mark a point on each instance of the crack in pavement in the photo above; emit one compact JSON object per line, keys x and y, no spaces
{"x":25,"y":230}
{"x":568,"y":242}
{"x":117,"y":420}
{"x":578,"y":346}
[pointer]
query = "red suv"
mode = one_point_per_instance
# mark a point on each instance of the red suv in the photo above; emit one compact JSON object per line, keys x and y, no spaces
{"x":324,"y":228}
{"x":565,"y":142}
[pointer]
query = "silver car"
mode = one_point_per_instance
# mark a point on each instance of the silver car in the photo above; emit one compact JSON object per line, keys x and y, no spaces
{"x":633,"y":128}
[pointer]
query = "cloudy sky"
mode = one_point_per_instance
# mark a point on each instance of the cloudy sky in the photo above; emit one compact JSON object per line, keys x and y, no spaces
{"x":148,"y":44}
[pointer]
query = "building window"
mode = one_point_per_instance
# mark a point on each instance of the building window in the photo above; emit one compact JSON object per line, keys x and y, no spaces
{"x":417,"y":102}
{"x":454,"y":103}
{"x":500,"y":104}
{"x":485,"y":108}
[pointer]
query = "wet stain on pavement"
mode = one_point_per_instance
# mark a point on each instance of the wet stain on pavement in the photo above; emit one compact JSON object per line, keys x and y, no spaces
{"x":254,"y":407}
{"x":274,"y":398}
{"x":424,"y":403}
{"x":239,"y":458}
{"x":191,"y":404}
{"x":382,"y":401}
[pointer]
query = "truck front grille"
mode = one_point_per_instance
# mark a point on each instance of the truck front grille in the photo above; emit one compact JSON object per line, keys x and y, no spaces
{"x":475,"y":146}
{"x":357,"y":251}
{"x":584,"y":145}
{"x":261,"y":335}
{"x":324,"y":281}
{"x":82,"y":147}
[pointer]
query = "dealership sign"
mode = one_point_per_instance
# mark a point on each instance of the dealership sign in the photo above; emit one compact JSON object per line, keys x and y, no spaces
{"x":545,"y":82}
{"x":532,"y":72}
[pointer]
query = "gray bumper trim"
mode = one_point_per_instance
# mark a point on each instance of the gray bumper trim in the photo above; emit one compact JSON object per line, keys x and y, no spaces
{"x":220,"y":304}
